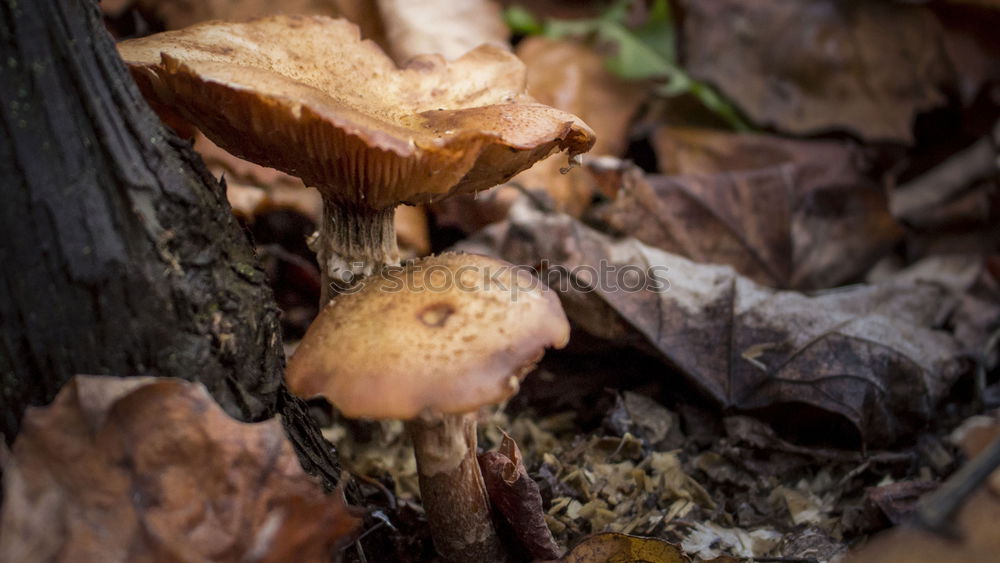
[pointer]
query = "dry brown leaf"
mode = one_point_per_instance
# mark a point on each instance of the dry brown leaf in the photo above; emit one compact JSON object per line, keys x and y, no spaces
{"x":148,"y":469}
{"x":869,"y":354}
{"x":412,"y":233}
{"x":570,"y":76}
{"x":253,"y":189}
{"x":449,"y":28}
{"x":518,"y":499}
{"x":115,"y":8}
{"x":305,"y":95}
{"x":809,"y":67}
{"x":622,"y":548}
{"x":784,"y":213}
{"x":178,"y":14}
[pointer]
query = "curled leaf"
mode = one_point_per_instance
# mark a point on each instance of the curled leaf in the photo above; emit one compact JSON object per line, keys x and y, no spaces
{"x":516,"y":496}
{"x":784,"y":213}
{"x":447,"y":28}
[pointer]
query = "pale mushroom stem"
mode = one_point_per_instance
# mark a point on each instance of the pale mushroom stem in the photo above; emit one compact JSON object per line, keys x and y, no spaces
{"x":353,"y":242}
{"x":452,"y":489}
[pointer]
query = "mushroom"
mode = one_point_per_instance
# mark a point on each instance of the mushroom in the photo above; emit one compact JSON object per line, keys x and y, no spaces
{"x":431,"y":344}
{"x":305,"y":95}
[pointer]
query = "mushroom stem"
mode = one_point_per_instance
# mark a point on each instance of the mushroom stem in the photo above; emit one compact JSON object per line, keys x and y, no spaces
{"x":353,"y":242}
{"x":452,"y":489}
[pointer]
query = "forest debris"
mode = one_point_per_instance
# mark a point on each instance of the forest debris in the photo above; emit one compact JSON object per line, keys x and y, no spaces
{"x":810,"y":544}
{"x":970,"y":535}
{"x":836,"y":351}
{"x":866,"y":67}
{"x":447,"y":28}
{"x":784,"y":213}
{"x":896,"y":502}
{"x":708,"y":540}
{"x":143,"y":468}
{"x":386,"y":451}
{"x":646,"y":419}
{"x":516,"y":496}
{"x":804,"y":505}
{"x":917,"y":201}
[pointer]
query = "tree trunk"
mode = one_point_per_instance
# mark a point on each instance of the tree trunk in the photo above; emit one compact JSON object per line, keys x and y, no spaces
{"x":118,"y":249}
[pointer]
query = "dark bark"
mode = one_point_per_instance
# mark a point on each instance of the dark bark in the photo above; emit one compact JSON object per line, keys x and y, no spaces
{"x":118,"y":249}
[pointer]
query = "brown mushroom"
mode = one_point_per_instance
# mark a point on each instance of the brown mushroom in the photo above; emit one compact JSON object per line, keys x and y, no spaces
{"x":305,"y":95}
{"x":432,"y":343}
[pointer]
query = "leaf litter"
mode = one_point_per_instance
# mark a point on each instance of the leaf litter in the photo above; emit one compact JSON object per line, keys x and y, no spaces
{"x":761,"y":422}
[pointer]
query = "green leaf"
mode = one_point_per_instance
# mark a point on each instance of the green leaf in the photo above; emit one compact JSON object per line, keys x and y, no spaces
{"x":633,"y":59}
{"x":521,"y":21}
{"x":646,"y":52}
{"x":658,"y":31}
{"x":556,"y":29}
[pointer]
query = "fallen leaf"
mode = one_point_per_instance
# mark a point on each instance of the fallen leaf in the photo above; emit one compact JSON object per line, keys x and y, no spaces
{"x":448,"y":28}
{"x":869,"y":354}
{"x":799,"y":214}
{"x":178,"y":14}
{"x":512,"y":491}
{"x":809,"y":67}
{"x":148,"y":469}
{"x":572,"y":77}
{"x":622,"y":548}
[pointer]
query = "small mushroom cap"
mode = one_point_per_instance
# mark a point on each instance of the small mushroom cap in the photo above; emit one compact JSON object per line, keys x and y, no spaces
{"x":305,"y":95}
{"x":444,"y":334}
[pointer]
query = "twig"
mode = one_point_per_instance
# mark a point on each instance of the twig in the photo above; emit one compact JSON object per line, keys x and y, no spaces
{"x":391,"y":498}
{"x":936,"y":513}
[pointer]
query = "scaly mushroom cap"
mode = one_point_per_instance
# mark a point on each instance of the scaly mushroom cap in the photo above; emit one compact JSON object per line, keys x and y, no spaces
{"x":305,"y":95}
{"x":445,"y":334}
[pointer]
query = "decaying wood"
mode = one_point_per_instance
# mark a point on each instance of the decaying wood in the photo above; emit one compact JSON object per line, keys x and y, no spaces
{"x":120,"y":255}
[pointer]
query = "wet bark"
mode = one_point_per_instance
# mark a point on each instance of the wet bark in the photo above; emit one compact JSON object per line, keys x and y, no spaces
{"x":118,"y":251}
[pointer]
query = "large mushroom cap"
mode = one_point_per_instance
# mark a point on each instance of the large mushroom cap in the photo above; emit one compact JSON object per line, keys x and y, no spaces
{"x":305,"y":95}
{"x":445,"y":334}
